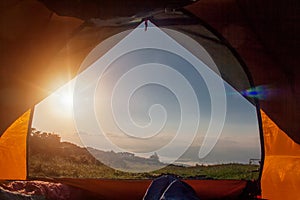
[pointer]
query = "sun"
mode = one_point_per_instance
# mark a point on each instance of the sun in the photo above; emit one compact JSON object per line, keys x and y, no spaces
{"x":66,"y":99}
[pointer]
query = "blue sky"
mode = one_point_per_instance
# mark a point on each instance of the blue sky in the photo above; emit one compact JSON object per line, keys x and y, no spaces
{"x":152,"y":107}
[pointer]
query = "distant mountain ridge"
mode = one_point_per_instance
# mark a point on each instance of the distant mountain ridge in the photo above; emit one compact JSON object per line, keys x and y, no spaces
{"x":124,"y":160}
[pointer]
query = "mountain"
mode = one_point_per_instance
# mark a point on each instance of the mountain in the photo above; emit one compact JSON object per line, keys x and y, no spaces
{"x":47,"y":147}
{"x":124,"y":160}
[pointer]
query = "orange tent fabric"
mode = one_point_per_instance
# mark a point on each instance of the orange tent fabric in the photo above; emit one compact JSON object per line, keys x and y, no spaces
{"x":281,"y":174}
{"x":13,"y":149}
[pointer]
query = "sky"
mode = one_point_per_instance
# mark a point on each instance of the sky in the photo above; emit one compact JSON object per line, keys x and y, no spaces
{"x":149,"y":94}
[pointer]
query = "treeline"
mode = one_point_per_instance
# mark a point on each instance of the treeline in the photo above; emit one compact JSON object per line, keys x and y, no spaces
{"x":49,"y":145}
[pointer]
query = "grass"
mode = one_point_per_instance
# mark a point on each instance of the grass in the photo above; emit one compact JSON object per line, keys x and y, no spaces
{"x":222,"y":171}
{"x":56,"y":166}
{"x":48,"y":157}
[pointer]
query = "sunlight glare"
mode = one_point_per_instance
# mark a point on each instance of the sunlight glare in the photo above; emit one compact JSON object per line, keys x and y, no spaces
{"x":67,"y":99}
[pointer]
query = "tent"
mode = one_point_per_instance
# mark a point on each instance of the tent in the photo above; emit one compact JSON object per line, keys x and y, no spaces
{"x":43,"y":41}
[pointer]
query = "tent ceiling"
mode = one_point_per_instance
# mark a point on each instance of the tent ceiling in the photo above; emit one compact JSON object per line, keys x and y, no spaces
{"x":265,"y":34}
{"x":87,"y":9}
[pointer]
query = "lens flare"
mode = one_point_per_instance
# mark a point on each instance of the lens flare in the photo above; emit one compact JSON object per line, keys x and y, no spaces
{"x":261,"y":92}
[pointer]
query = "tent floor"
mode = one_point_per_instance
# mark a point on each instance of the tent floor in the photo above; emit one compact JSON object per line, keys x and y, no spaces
{"x":68,"y":188}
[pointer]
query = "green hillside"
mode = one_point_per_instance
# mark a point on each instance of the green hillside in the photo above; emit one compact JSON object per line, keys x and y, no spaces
{"x":49,"y":157}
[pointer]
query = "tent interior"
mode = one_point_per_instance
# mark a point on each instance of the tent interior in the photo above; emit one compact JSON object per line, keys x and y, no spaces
{"x":217,"y":76}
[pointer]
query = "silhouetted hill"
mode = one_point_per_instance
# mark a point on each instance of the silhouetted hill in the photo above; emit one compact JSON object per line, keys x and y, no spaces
{"x":123,"y":160}
{"x":49,"y":145}
{"x":49,"y":157}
